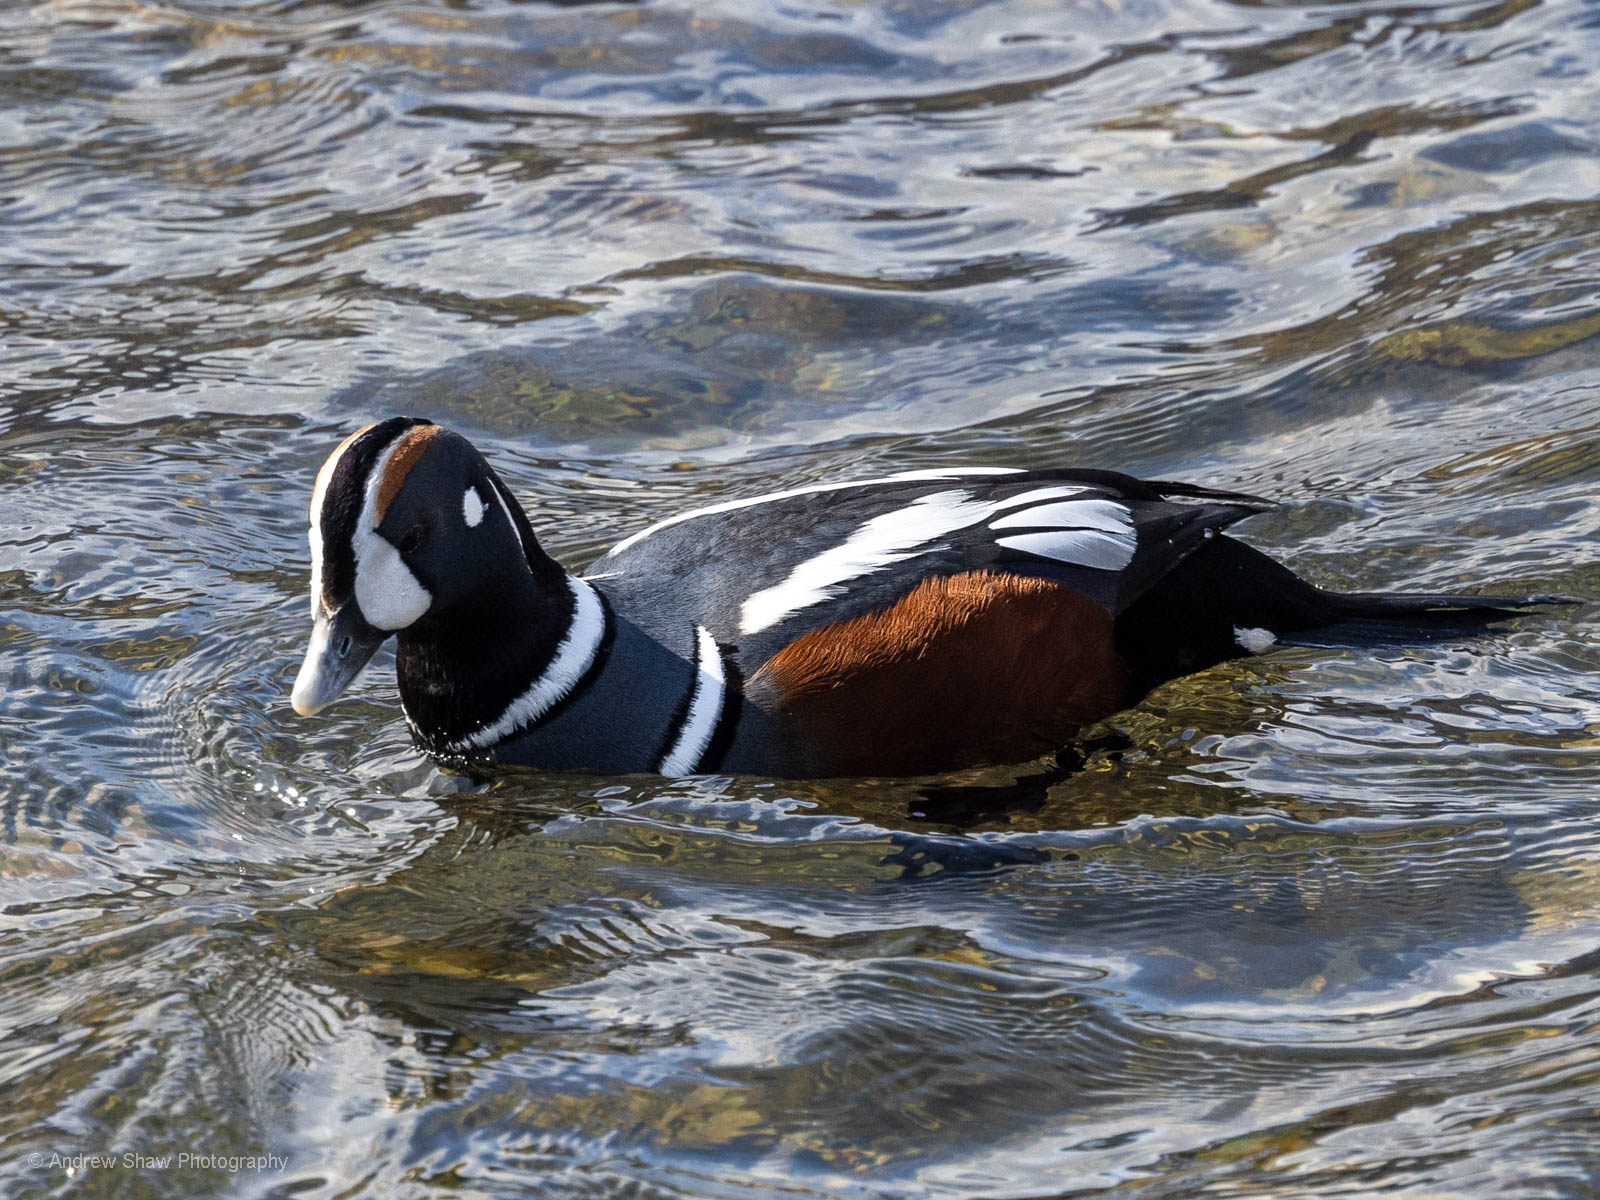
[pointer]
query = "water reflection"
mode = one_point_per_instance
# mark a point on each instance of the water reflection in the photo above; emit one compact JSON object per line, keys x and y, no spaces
{"x":1317,"y":921}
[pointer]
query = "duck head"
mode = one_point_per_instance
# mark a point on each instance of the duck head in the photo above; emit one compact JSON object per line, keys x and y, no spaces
{"x":408,"y":523}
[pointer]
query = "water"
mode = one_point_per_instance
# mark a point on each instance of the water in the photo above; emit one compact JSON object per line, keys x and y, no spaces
{"x":1320,"y":923}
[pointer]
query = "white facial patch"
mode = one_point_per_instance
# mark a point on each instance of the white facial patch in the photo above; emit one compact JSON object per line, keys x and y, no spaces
{"x":472,"y":507}
{"x":390,"y":596}
{"x":1257,"y":641}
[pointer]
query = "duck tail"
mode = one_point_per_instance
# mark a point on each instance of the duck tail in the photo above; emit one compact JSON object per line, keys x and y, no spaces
{"x":1367,"y":618}
{"x":1268,"y":595}
{"x":1227,"y":600}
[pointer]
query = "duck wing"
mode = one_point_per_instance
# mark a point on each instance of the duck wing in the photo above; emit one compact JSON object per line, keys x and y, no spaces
{"x":761,"y":572}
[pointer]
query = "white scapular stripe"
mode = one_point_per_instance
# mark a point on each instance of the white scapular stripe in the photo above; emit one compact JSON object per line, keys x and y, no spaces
{"x":1104,"y":515}
{"x":1039,"y":495}
{"x":472,"y":507}
{"x":389,"y":595}
{"x":916,"y":529}
{"x":890,"y":538}
{"x":1079,"y":547}
{"x":1085,"y":533}
{"x":770,"y":497}
{"x":570,"y":663}
{"x":705,"y":708}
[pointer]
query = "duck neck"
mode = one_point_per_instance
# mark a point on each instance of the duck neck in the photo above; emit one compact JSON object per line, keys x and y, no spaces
{"x":505,"y":658}
{"x":554,"y":678}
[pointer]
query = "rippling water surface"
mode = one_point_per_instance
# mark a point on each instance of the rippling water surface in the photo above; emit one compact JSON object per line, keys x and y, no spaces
{"x":1320,"y":923}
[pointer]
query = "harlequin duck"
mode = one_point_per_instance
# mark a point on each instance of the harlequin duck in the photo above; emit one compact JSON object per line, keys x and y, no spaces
{"x":893,"y":626}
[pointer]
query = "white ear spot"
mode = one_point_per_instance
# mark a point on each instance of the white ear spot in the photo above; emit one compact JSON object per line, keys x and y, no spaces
{"x":472,"y":507}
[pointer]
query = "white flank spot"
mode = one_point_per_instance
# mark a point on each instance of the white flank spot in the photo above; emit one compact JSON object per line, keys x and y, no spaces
{"x":1079,"y":547}
{"x":1257,"y":641}
{"x":472,"y":507}
{"x":570,"y":663}
{"x":705,"y":707}
{"x":731,"y":505}
{"x":390,"y":596}
{"x":893,"y":537}
{"x":1104,"y":515}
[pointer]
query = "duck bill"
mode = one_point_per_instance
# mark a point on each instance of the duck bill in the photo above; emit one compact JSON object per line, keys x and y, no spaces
{"x":341,"y":645}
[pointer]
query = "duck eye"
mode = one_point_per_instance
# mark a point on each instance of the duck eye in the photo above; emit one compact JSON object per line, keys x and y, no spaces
{"x":412,"y":539}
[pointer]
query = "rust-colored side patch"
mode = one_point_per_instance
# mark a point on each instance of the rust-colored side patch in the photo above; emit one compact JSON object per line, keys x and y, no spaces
{"x":967,"y":669}
{"x":411,"y":446}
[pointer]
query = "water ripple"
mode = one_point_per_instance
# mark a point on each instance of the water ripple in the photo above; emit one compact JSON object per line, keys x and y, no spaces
{"x":658,"y":255}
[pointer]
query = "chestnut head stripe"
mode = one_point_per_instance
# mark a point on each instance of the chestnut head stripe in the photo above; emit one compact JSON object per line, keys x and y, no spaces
{"x":407,"y":452}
